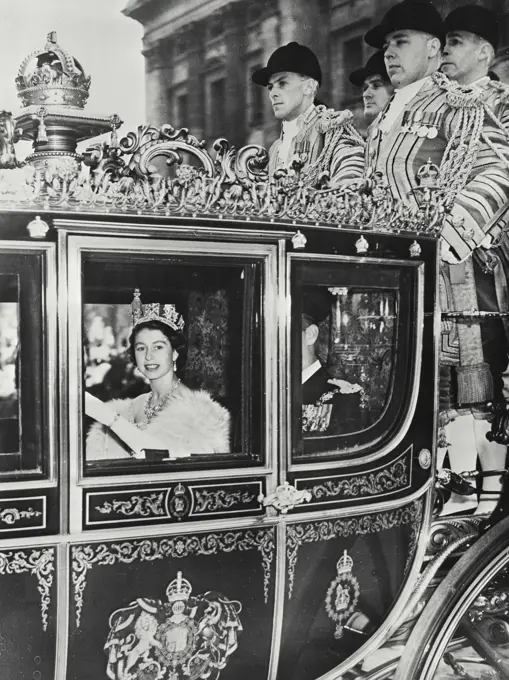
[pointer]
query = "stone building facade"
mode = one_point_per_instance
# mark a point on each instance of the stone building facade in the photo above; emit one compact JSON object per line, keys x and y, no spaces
{"x":200,"y":54}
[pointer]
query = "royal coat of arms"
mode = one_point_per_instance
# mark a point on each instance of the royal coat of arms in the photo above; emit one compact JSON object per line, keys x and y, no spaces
{"x":187,"y":637}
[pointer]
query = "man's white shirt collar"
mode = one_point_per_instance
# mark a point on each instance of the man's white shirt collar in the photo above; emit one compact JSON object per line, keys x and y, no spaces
{"x":289,"y":130}
{"x":399,"y":101}
{"x":310,"y":370}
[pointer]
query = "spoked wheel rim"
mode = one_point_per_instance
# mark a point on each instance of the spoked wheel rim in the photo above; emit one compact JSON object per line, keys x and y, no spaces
{"x":451,"y":602}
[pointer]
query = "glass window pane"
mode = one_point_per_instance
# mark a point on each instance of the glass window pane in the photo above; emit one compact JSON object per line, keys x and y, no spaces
{"x":352,"y":336}
{"x":186,"y":379}
{"x":9,"y":365}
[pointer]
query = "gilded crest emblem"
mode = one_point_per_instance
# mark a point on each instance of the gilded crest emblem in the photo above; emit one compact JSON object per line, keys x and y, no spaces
{"x":343,"y":594}
{"x":187,"y":636}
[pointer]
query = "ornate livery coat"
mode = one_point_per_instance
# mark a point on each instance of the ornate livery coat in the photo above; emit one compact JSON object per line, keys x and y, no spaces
{"x":331,"y":144}
{"x":191,"y":422}
{"x":463,"y":131}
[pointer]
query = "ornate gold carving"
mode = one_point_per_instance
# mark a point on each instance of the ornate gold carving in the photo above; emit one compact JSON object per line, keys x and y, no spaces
{"x":389,"y":479}
{"x":85,"y":557}
{"x":299,"y":240}
{"x":37,"y":228}
{"x":188,"y":636}
{"x":220,"y":499}
{"x":13,"y":515}
{"x":9,"y":135}
{"x":361,"y":245}
{"x":285,"y":498}
{"x":39,"y":563}
{"x":444,"y":532}
{"x":325,"y":530}
{"x":143,"y":506}
{"x":229,"y":184}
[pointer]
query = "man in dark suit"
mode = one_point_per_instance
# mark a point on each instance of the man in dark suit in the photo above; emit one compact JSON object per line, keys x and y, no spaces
{"x":330,"y":406}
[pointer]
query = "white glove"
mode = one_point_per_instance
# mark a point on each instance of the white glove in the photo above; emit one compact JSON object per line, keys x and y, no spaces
{"x":137,"y":440}
{"x":98,"y":410}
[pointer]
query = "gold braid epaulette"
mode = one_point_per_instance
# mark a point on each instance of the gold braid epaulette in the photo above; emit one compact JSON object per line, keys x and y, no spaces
{"x":458,"y":96}
{"x":337,"y":126}
{"x":468,"y":133}
{"x":330,"y":119}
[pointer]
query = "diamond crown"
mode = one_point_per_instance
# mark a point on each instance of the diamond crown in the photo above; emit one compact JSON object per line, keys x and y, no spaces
{"x":154,"y":311}
{"x":179,"y":589}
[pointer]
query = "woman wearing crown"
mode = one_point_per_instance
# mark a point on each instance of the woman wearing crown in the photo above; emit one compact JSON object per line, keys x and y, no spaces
{"x":172,"y":417}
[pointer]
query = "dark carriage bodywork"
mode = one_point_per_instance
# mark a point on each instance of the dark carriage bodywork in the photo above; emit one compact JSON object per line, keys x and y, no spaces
{"x":308,"y":549}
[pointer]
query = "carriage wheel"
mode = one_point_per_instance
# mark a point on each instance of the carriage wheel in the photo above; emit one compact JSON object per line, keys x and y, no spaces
{"x":463,"y":632}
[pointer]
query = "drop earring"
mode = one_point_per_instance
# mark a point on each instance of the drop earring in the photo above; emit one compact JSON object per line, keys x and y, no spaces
{"x":175,"y":357}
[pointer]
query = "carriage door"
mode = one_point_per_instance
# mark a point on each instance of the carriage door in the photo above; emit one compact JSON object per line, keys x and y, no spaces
{"x":355,"y":484}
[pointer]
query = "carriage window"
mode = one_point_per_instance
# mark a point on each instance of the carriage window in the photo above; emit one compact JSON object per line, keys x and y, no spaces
{"x":10,"y":442}
{"x":25,"y":338}
{"x":350,"y":340}
{"x":172,"y":361}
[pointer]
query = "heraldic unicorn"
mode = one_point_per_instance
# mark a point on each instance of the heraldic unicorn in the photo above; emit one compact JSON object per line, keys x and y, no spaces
{"x":187,"y":637}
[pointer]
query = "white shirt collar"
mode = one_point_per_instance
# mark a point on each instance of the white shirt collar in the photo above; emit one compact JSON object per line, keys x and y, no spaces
{"x":310,"y":370}
{"x":484,"y":80}
{"x":291,"y":128}
{"x":399,"y":100}
{"x":410,"y":90}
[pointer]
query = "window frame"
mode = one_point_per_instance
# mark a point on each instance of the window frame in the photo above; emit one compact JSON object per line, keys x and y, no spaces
{"x":378,"y":447}
{"x":43,"y":391}
{"x":266,"y":255}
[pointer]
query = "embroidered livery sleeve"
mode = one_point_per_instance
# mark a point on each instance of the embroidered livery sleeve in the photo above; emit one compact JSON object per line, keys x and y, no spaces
{"x":347,"y":161}
{"x":485,"y":192}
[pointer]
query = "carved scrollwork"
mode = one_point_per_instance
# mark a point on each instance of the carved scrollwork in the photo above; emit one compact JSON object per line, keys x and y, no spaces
{"x":85,"y":557}
{"x":9,"y":135}
{"x":149,"y":143}
{"x":284,"y":498}
{"x":220,"y":499}
{"x":326,"y":530}
{"x":370,"y":484}
{"x":13,"y":515}
{"x":125,"y":176}
{"x":445,"y":531}
{"x":144,"y":506}
{"x":39,"y":563}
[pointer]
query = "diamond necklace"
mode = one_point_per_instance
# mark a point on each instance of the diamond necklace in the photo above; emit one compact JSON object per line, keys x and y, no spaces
{"x":151,"y":411}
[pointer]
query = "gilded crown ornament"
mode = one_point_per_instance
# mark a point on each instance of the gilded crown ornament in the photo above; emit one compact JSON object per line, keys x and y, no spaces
{"x":154,"y":311}
{"x":52,"y":76}
{"x":53,"y":90}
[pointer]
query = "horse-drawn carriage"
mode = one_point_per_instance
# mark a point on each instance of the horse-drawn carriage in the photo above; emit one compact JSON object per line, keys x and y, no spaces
{"x":299,"y":551}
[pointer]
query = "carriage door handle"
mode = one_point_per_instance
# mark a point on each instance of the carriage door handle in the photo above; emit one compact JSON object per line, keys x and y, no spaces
{"x":284,"y":498}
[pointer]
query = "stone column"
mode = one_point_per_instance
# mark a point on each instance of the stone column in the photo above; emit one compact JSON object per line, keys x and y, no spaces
{"x":234,"y":21}
{"x":270,"y":41}
{"x":308,"y":23}
{"x":156,"y":85}
{"x":195,"y":39}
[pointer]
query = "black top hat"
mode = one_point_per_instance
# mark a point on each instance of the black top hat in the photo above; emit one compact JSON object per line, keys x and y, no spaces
{"x":416,"y":15}
{"x":375,"y":66}
{"x":474,"y":19}
{"x":294,"y":58}
{"x":316,"y":303}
